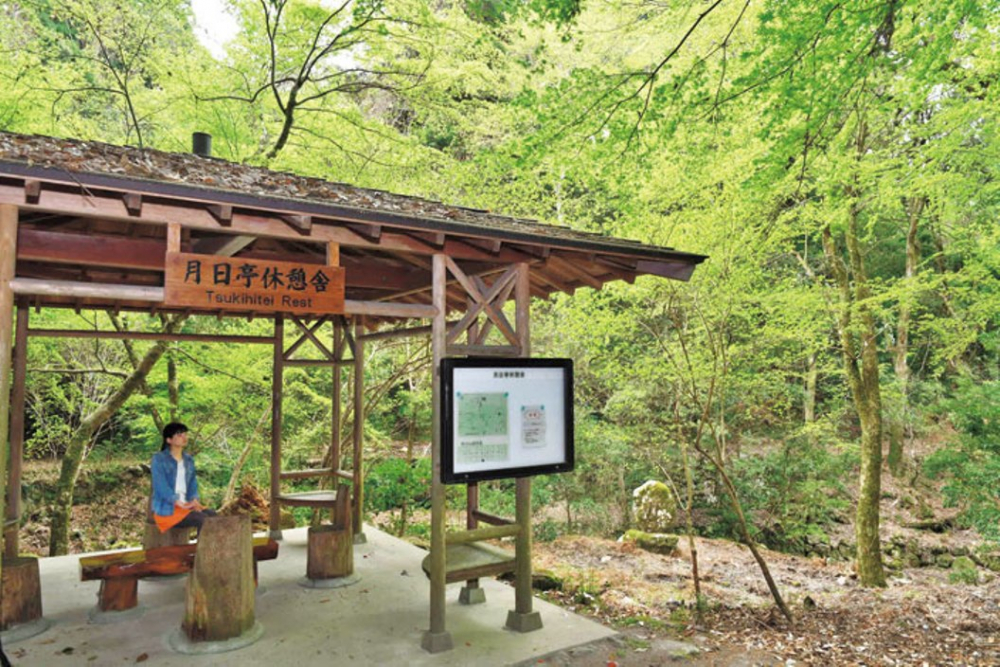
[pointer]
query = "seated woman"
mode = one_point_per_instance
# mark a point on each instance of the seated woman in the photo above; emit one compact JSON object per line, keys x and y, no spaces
{"x":175,"y":484}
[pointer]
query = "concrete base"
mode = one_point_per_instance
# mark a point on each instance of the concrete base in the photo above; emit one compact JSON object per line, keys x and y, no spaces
{"x":179,"y":641}
{"x":524,"y":622}
{"x":379,"y":622}
{"x":98,"y":617}
{"x":437,"y":642}
{"x":360,"y":538}
{"x":332,"y":582}
{"x":23,"y":631}
{"x":470,"y":595}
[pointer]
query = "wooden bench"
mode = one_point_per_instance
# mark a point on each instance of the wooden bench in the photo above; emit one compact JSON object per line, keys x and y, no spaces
{"x":473,"y":560}
{"x":120,"y":572}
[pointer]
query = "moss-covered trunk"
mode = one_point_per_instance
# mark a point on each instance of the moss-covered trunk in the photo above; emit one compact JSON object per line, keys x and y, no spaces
{"x":860,"y":355}
{"x":76,"y":450}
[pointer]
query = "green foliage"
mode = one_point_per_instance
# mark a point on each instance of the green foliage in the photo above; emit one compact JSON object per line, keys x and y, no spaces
{"x":970,"y":465}
{"x":395,"y":482}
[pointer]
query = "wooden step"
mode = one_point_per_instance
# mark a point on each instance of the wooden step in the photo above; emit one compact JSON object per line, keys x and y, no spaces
{"x":472,"y":561}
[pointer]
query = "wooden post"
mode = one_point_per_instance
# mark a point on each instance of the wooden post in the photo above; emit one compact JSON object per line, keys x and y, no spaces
{"x":22,"y":592}
{"x":11,"y":534}
{"x":277,"y":379}
{"x":338,"y":357}
{"x":522,"y":618}
{"x":8,"y":257}
{"x":359,"y":430}
{"x":437,"y":639}
{"x":220,"y":591}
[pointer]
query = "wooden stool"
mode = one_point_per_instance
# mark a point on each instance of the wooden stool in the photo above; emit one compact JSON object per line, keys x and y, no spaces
{"x":153,"y":538}
{"x":331,"y":547}
{"x":21,"y":591}
{"x":220,"y":590}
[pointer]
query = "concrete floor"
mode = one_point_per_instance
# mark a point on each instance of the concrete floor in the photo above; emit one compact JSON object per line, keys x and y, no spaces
{"x":378,"y":621}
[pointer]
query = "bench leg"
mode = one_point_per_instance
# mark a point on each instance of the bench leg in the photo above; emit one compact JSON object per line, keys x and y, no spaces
{"x":118,"y":594}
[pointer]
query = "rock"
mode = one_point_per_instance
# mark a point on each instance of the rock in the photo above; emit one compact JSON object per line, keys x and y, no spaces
{"x":544,"y":580}
{"x":654,"y":506}
{"x":676,"y":649}
{"x":659,"y":543}
{"x":963,"y":571}
{"x":944,"y":560}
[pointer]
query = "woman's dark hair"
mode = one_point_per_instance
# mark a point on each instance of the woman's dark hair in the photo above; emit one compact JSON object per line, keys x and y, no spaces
{"x":170,"y":430}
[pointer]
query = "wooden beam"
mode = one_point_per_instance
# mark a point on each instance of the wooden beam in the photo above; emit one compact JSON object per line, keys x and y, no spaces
{"x":32,"y":191}
{"x":277,"y":381}
{"x":133,"y":203}
{"x":437,"y":638}
{"x":358,"y":432}
{"x":223,"y":213}
{"x":11,"y":537}
{"x":30,"y":286}
{"x":300,"y":223}
{"x":332,"y":254}
{"x":225,"y":245}
{"x":173,"y":237}
{"x":86,"y":250}
{"x":491,"y":246}
{"x":370,"y":233}
{"x":150,"y":335}
{"x":431,"y":240}
{"x":8,"y":257}
{"x":569,"y":268}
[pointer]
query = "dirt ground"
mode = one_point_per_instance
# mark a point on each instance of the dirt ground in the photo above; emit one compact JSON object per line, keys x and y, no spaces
{"x":919,"y":619}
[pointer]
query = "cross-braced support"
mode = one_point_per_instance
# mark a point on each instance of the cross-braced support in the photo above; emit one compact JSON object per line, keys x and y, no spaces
{"x":484,"y":313}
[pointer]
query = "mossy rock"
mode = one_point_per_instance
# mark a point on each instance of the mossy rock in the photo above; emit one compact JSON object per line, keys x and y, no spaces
{"x":658,"y":543}
{"x":963,"y":571}
{"x":654,"y":506}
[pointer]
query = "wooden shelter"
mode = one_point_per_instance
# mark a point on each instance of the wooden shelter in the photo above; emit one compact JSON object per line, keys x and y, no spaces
{"x":95,"y":226}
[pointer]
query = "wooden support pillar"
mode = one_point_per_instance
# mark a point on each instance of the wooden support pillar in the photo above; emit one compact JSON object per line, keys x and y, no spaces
{"x":359,"y":431}
{"x":472,"y":593}
{"x":277,"y":380}
{"x":522,"y":618}
{"x":437,"y":639}
{"x":8,"y":255}
{"x":336,"y":398}
{"x":11,"y":538}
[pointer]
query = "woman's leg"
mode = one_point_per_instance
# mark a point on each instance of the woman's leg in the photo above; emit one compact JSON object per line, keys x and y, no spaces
{"x":195,"y":519}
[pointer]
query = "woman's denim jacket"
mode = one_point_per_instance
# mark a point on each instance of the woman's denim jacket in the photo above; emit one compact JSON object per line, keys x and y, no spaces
{"x":165,"y":481}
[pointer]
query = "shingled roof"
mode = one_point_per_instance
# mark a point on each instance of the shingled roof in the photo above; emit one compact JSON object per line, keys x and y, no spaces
{"x":60,"y":182}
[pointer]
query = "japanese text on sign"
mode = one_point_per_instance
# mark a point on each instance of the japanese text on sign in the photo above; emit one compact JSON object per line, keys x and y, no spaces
{"x":212,"y":283}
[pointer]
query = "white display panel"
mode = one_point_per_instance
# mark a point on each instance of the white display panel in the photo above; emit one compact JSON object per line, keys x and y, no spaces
{"x":506,"y":418}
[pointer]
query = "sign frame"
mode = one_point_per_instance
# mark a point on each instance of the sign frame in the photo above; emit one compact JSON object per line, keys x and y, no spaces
{"x":449,"y":415}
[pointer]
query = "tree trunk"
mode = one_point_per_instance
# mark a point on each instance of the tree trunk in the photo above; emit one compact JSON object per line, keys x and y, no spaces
{"x":173,"y":390}
{"x":861,"y":368}
{"x":219,"y":604}
{"x":809,"y":399}
{"x":76,"y":451}
{"x":900,"y":418}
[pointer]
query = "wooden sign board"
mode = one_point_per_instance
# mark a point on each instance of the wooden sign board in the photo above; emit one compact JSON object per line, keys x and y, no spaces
{"x":210,"y":282}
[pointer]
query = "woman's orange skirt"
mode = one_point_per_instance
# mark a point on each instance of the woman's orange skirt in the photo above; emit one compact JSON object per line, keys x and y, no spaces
{"x":165,"y":523}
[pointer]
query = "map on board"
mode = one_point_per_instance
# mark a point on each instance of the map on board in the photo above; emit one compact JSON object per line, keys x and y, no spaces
{"x":482,"y":415}
{"x":482,"y":428}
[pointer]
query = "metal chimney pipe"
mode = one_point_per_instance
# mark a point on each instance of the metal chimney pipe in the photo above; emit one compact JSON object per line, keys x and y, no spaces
{"x":201,"y":144}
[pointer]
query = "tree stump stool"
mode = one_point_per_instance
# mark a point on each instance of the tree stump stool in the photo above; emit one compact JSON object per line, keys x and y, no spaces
{"x":153,"y":538}
{"x":21,"y":591}
{"x":220,"y":590}
{"x":330,"y":552}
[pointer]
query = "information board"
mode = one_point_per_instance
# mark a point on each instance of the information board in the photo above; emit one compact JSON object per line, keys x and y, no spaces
{"x":505,"y":418}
